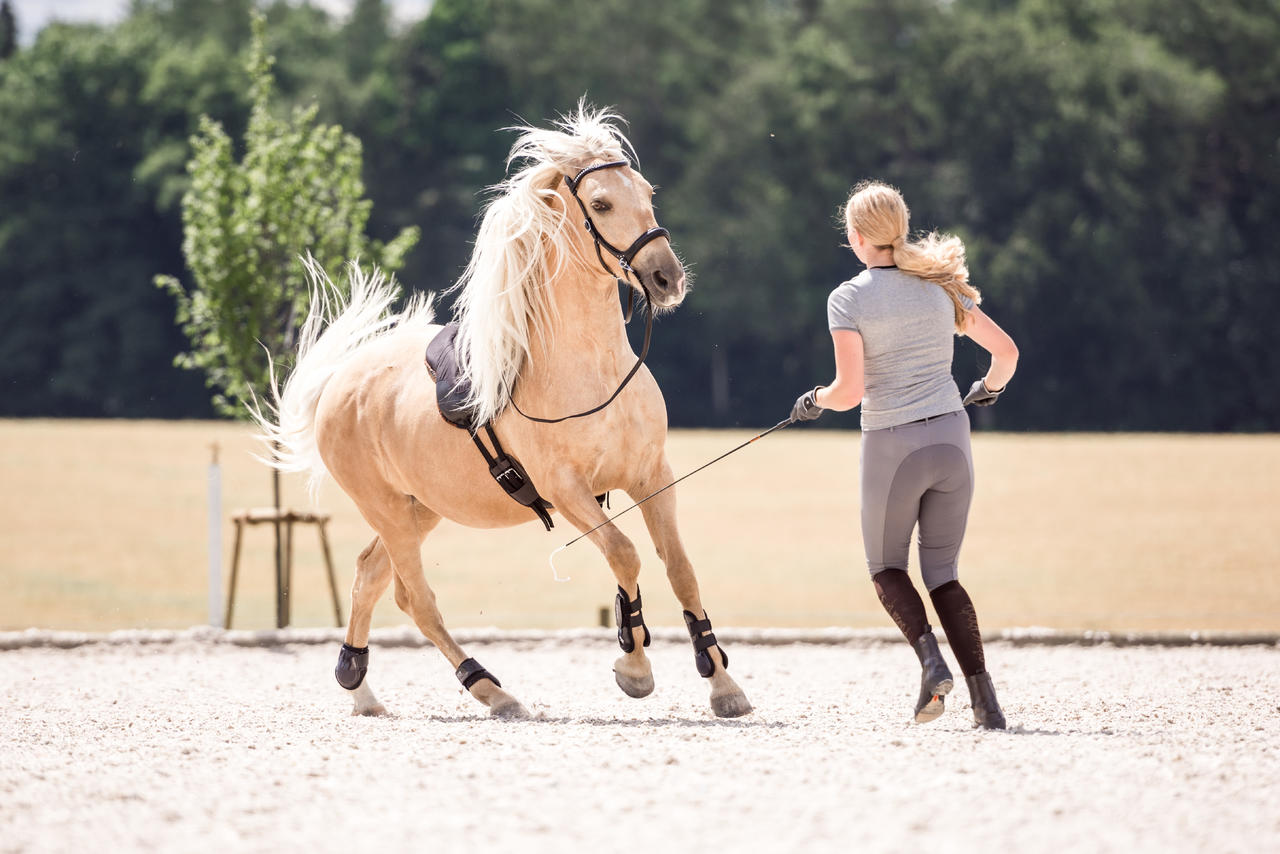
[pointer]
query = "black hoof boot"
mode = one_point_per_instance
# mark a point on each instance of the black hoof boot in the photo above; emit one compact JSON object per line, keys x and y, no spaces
{"x":629,"y":615}
{"x":703,"y":642}
{"x":353,"y":664}
{"x":986,"y":711}
{"x":935,"y":679}
{"x":470,"y":672}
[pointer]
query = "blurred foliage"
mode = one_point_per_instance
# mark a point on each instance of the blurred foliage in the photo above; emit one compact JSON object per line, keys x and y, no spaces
{"x":298,"y":189}
{"x":1113,"y":166}
{"x":8,"y":30}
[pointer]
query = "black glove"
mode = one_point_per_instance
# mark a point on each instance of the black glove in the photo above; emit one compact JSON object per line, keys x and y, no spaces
{"x":807,"y":408}
{"x":980,"y":395}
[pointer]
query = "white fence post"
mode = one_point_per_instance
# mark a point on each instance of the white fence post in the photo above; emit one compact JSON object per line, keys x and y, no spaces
{"x":215,"y":540}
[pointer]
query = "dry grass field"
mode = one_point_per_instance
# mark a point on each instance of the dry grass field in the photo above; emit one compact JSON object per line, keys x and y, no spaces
{"x":103,"y":526}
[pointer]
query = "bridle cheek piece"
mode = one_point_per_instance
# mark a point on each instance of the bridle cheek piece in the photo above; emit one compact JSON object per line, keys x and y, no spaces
{"x":624,"y":256}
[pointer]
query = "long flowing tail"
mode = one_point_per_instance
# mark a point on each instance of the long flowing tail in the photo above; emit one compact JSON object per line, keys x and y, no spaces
{"x":334,"y":329}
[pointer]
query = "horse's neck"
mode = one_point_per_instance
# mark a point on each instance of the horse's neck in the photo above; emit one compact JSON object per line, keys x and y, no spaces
{"x":587,"y":340}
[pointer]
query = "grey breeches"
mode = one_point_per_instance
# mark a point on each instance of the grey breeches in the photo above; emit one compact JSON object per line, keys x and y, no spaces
{"x":917,"y":473}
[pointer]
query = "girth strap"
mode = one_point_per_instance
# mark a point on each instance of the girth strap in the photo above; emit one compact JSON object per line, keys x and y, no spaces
{"x":512,"y":477}
{"x":452,"y":390}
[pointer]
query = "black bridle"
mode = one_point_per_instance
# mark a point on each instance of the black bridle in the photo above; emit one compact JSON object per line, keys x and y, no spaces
{"x":624,"y":258}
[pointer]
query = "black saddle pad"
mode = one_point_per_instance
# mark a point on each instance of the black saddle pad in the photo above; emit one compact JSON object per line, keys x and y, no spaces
{"x":452,"y":386}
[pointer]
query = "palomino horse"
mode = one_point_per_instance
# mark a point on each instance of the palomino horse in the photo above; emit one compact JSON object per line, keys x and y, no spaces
{"x":540,"y":332}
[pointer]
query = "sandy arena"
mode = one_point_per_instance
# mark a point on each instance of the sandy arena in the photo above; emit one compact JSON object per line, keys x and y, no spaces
{"x":197,"y":742}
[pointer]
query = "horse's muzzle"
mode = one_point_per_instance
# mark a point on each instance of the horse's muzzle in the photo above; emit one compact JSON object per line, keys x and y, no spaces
{"x":666,"y":283}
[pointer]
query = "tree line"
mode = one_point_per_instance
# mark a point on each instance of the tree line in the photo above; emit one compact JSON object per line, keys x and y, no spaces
{"x":1112,"y":165}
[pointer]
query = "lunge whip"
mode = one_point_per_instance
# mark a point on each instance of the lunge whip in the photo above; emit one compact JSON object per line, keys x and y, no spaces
{"x":552,"y":558}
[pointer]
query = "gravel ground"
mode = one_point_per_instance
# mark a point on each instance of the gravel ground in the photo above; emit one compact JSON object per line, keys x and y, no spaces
{"x":199,"y":745}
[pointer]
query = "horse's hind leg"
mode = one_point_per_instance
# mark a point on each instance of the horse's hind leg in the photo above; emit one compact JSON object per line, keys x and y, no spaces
{"x":373,"y":574}
{"x":403,"y":537}
{"x":727,"y":699}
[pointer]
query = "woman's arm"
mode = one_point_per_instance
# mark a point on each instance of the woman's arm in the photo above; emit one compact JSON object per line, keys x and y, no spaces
{"x":989,"y":336}
{"x":845,"y":391}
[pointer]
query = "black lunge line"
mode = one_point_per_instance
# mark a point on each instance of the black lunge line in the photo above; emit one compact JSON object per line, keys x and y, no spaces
{"x":552,"y":558}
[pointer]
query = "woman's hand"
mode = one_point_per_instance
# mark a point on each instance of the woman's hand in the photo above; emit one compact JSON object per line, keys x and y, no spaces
{"x":980,"y":395}
{"x":807,"y":408}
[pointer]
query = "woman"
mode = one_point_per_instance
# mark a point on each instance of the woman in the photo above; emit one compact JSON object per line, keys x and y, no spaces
{"x":892,"y":328}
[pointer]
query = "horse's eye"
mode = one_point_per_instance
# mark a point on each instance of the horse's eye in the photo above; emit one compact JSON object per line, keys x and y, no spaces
{"x":600,"y":206}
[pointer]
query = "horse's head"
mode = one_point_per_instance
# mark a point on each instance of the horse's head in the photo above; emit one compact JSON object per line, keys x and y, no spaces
{"x":620,"y":229}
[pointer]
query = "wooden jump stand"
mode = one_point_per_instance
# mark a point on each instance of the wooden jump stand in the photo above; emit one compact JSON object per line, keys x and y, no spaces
{"x":287,"y":518}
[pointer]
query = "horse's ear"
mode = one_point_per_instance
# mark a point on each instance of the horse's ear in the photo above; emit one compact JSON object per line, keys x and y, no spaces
{"x":551,"y":196}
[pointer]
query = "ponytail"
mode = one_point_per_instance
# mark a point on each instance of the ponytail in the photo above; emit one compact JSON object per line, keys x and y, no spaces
{"x":939,"y":258}
{"x":880,"y":214}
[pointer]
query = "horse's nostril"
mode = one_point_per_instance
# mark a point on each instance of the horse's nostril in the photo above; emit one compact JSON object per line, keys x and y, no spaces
{"x":660,"y":280}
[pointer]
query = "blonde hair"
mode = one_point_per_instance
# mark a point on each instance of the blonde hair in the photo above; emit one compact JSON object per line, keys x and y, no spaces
{"x":878,"y":212}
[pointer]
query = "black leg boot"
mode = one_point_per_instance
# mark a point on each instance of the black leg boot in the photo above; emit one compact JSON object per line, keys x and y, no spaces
{"x":986,"y":711}
{"x":935,"y":679}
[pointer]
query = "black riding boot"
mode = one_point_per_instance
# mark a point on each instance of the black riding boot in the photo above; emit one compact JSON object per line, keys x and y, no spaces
{"x":935,"y":678}
{"x":986,"y":711}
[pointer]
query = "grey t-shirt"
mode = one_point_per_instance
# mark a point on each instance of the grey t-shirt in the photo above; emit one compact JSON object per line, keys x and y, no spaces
{"x":908,"y":329}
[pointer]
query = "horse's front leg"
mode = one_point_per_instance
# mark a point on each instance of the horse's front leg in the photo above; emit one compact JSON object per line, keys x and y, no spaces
{"x":632,"y":670}
{"x":727,"y":699}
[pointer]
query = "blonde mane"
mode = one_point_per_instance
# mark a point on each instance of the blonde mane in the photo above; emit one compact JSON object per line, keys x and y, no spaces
{"x":523,"y":243}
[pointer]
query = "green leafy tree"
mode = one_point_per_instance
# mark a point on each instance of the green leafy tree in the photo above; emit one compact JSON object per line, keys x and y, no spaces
{"x":1085,"y":210}
{"x":192,"y":21}
{"x":1111,"y":166}
{"x":297,"y":189}
{"x":431,"y":116}
{"x":8,"y":31}
{"x":82,"y":331}
{"x":685,"y":78}
{"x":365,"y":37}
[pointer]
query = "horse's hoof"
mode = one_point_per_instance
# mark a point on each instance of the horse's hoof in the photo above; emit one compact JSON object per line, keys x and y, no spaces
{"x":364,"y":702}
{"x":731,"y":705}
{"x":633,"y":686}
{"x":510,"y":710}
